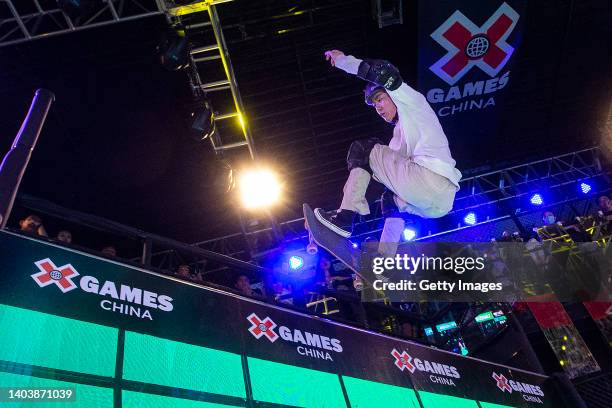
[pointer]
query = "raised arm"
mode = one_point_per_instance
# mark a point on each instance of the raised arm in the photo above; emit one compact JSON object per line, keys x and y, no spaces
{"x":381,"y":73}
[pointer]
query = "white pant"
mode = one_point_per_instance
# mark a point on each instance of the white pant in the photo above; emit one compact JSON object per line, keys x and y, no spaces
{"x":417,"y":189}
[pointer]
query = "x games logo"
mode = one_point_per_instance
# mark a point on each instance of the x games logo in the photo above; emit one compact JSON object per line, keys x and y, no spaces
{"x":468,"y":45}
{"x":49,"y":274}
{"x":502,"y":382}
{"x":263,"y":327}
{"x":403,"y":360}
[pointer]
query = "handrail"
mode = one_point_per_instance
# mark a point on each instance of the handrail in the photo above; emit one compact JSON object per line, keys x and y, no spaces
{"x":113,"y":227}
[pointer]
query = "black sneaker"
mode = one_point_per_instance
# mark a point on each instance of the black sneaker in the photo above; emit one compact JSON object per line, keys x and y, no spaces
{"x":341,"y":222}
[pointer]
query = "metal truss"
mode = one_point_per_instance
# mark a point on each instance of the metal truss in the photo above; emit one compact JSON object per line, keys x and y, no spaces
{"x":209,"y":55}
{"x":485,"y":189}
{"x":519,"y":180}
{"x":27,"y":20}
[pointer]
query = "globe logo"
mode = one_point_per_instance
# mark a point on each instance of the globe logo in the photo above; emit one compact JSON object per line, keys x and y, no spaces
{"x":477,"y":46}
{"x":55,"y":274}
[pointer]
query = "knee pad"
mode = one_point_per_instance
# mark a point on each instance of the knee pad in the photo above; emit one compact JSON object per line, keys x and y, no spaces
{"x":388,"y":207}
{"x":359,"y":153}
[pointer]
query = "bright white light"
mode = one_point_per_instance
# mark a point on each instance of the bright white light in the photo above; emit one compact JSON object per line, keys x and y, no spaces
{"x":296,"y":262}
{"x":536,"y":199}
{"x":259,"y":188}
{"x":585,"y":188}
{"x":409,"y":234}
{"x":470,"y":219}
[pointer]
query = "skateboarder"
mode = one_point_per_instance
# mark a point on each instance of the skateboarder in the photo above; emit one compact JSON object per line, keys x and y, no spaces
{"x":416,"y":167}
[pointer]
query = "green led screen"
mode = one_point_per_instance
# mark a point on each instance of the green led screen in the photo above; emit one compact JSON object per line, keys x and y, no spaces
{"x":285,"y":384}
{"x":491,"y":405}
{"x":158,"y":361}
{"x":46,"y":340}
{"x":431,"y":400}
{"x":87,"y":396}
{"x":368,"y":394}
{"x":137,"y":400}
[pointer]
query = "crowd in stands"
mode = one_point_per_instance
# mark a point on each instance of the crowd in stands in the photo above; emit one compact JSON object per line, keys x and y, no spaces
{"x":588,"y":227}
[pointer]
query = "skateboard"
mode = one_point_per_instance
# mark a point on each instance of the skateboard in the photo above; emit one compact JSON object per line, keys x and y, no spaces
{"x":338,"y":246}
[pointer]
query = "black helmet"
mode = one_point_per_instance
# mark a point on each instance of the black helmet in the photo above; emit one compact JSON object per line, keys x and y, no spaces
{"x":370,"y":90}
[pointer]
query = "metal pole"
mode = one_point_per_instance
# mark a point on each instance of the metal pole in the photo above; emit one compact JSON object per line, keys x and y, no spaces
{"x":147,"y":251}
{"x":16,"y":160}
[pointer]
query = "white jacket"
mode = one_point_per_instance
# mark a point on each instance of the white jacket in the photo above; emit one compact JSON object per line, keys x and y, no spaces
{"x":425,"y":141}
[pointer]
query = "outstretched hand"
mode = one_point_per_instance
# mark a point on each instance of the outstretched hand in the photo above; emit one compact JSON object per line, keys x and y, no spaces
{"x":332,"y":55}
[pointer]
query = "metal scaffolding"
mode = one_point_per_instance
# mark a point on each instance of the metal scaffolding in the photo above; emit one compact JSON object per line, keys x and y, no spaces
{"x":27,"y":20}
{"x":209,"y":55}
{"x":485,"y":189}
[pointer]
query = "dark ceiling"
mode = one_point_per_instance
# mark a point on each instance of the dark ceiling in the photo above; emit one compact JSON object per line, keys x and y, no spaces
{"x":115,"y":142}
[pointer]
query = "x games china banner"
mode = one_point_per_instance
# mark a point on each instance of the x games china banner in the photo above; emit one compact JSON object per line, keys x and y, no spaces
{"x":467,"y":50}
{"x":50,"y":279}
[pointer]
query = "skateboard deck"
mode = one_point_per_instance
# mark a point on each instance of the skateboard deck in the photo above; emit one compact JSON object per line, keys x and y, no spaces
{"x":337,"y":245}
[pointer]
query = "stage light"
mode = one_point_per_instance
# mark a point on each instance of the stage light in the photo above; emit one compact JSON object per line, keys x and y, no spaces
{"x":470,"y":218}
{"x":259,"y":188}
{"x":409,"y":234}
{"x":173,"y":50}
{"x":296,"y":262}
{"x":585,"y":188}
{"x":536,"y":199}
{"x":355,"y":245}
{"x":203,"y":125}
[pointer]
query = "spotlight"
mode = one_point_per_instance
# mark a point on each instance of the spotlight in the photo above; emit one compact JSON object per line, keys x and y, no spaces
{"x":470,"y":218}
{"x":409,"y":234}
{"x":173,"y":50}
{"x":296,"y":262}
{"x":355,"y":245}
{"x":203,"y":125}
{"x":585,"y":188}
{"x":259,"y":188}
{"x":536,"y":199}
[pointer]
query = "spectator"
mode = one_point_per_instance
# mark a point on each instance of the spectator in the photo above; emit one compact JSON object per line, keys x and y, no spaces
{"x":548,"y":218}
{"x":109,"y":251}
{"x":64,"y":236}
{"x":282,"y":292}
{"x":506,"y":237}
{"x":326,"y":279}
{"x":32,"y":224}
{"x":605,"y":204}
{"x":243,"y":284}
{"x":557,"y":228}
{"x":184,"y":272}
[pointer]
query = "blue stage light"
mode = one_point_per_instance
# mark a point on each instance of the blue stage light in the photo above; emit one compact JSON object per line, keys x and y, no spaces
{"x":409,"y":234}
{"x":296,"y":262}
{"x":355,"y":245}
{"x":470,"y":218}
{"x":585,"y":188}
{"x":536,"y":199}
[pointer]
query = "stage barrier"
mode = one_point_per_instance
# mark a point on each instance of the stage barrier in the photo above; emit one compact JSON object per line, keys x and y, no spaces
{"x":127,"y":337}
